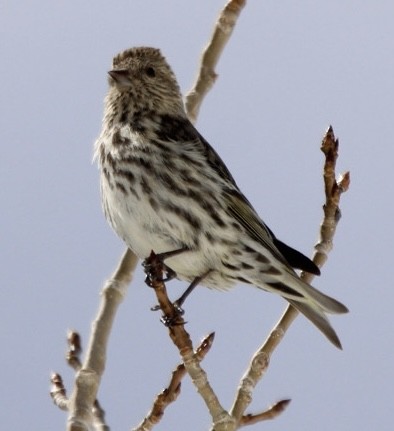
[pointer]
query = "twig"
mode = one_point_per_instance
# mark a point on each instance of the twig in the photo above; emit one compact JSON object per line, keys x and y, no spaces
{"x":333,"y":191}
{"x":210,"y":57}
{"x":88,"y":377}
{"x":271,"y":413}
{"x":170,"y":394}
{"x":98,"y":413}
{"x":73,"y":355}
{"x":182,"y":341}
{"x":58,"y":392}
{"x":73,"y":358}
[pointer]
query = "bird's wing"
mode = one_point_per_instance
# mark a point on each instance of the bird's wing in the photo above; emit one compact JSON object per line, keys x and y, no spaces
{"x":239,"y":207}
{"x":216,"y":162}
{"x":242,"y":210}
{"x":181,"y":130}
{"x":247,"y":216}
{"x":294,"y":257}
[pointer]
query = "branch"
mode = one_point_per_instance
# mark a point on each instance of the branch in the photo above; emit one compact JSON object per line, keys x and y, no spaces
{"x":170,"y":394}
{"x":81,"y":403}
{"x":58,"y":392}
{"x":73,"y":356}
{"x":271,"y":413}
{"x":210,"y":57}
{"x":181,"y":339}
{"x":333,"y":191}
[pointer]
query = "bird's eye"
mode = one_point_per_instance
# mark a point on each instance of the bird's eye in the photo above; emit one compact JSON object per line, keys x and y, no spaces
{"x":150,"y":72}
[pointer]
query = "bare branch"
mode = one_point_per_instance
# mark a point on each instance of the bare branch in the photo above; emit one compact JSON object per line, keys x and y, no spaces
{"x":58,"y":392}
{"x":73,"y":355}
{"x":99,"y":417}
{"x":88,"y":377}
{"x":333,"y":191}
{"x":73,"y":358}
{"x":181,"y":338}
{"x":170,"y":394}
{"x":271,"y":413}
{"x":210,"y":57}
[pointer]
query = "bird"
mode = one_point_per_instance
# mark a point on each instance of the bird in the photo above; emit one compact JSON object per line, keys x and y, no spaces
{"x":165,"y":189}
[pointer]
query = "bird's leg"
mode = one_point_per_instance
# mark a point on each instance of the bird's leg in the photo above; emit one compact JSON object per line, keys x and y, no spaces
{"x":170,"y":274}
{"x":179,"y":302}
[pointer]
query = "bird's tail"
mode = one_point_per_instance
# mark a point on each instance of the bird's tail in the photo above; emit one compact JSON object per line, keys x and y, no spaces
{"x":312,"y":303}
{"x":325,"y":302}
{"x":318,"y":318}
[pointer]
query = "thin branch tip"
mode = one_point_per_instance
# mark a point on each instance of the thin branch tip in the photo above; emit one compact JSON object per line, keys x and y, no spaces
{"x":282,"y":404}
{"x":236,"y":5}
{"x":58,"y":391}
{"x":73,"y":355}
{"x":344,"y":182}
{"x":271,"y":413}
{"x":208,"y":340}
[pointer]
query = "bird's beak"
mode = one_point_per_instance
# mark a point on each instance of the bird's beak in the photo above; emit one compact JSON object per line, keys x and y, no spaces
{"x":120,"y":76}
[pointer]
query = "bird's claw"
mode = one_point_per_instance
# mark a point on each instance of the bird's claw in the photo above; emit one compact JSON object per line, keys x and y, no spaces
{"x":179,"y":310}
{"x":150,"y":268}
{"x":170,"y":274}
{"x":174,"y":320}
{"x":150,"y":279}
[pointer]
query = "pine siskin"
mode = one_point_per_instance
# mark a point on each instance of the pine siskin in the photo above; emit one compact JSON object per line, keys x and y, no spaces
{"x":165,"y":188}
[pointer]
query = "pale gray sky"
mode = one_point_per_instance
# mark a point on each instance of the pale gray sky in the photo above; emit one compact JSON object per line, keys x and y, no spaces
{"x":290,"y":70}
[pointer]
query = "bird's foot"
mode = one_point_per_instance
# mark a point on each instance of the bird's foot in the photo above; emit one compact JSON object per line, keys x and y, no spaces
{"x":154,"y":265}
{"x":179,"y":310}
{"x":174,"y":320}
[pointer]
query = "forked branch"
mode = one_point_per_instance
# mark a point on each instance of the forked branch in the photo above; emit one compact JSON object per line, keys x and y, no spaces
{"x":58,"y":390}
{"x":172,"y":391}
{"x":333,"y":190}
{"x":82,"y":401}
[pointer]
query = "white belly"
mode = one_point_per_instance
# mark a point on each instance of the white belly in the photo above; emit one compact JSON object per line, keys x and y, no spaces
{"x":144,"y":229}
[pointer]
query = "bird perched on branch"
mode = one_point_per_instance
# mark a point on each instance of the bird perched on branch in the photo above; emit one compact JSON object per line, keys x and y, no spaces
{"x":164,"y":188}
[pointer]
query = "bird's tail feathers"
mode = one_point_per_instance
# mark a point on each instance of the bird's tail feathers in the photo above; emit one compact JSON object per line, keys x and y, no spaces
{"x":325,"y":302}
{"x":319,"y":319}
{"x":309,"y":301}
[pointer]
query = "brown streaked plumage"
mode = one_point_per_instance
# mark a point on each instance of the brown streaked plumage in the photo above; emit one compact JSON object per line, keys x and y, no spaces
{"x":165,"y":188}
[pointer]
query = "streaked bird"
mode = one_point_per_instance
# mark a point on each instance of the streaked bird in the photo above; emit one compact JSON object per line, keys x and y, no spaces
{"x":164,"y":188}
